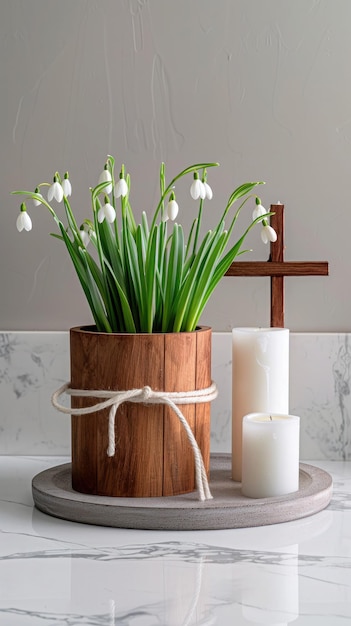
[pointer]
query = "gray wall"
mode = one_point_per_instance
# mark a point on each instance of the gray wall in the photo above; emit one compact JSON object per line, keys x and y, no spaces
{"x":262,"y":86}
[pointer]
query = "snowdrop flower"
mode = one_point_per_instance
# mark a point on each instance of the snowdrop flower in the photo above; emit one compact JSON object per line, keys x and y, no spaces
{"x":268,"y":233}
{"x":105,"y":177}
{"x":106,"y":212}
{"x":35,"y":201}
{"x":84,"y":232}
{"x":259,"y":210}
{"x":23,"y":221}
{"x":66,"y":186}
{"x":121,"y":189}
{"x":197,"y":189}
{"x":55,"y":190}
{"x":208,"y":191}
{"x":172,"y":207}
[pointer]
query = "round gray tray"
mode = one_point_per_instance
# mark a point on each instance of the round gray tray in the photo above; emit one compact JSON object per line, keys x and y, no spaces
{"x":53,"y":494}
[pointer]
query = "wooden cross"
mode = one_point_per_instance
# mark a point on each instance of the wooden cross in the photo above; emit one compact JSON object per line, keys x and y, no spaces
{"x":277,"y":268}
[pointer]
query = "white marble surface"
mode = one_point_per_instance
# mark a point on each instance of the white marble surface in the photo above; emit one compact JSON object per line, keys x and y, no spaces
{"x":58,"y":573}
{"x":34,"y":364}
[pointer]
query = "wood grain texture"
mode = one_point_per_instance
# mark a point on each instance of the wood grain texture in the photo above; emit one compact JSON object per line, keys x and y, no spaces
{"x":277,"y":256}
{"x":180,"y":370}
{"x":203,"y":410}
{"x":271,"y":268}
{"x":83,"y":355}
{"x":153,"y":456}
{"x":131,"y":362}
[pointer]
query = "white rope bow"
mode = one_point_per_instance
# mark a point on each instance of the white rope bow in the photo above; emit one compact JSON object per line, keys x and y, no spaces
{"x":145,"y":395}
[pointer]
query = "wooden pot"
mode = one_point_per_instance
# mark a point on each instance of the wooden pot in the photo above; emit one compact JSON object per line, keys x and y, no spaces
{"x":153,"y":456}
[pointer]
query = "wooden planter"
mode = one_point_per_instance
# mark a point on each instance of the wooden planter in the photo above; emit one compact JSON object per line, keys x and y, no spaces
{"x":153,"y":456}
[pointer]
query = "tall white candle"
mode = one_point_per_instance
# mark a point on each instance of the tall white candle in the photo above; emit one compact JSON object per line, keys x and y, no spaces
{"x":260,"y":379}
{"x":270,"y":464}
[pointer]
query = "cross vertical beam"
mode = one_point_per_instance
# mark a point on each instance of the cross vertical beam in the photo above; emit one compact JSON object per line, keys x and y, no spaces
{"x":277,"y":256}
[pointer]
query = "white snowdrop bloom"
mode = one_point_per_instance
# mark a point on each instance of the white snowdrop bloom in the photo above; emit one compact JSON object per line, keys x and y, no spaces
{"x":84,"y":234}
{"x":105,"y":177}
{"x":172,"y":209}
{"x":107,"y":212}
{"x":35,"y":201}
{"x":208,"y":191}
{"x":55,"y":191}
{"x":258,"y":211}
{"x":268,"y":234}
{"x":121,"y":189}
{"x":197,"y":189}
{"x":23,"y":221}
{"x":66,"y":186}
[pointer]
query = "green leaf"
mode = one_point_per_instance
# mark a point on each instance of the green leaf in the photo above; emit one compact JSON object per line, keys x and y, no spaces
{"x":189,"y":284}
{"x":84,"y":276}
{"x":150,"y":276}
{"x":124,"y":302}
{"x":134,"y":270}
{"x":243,"y":190}
{"x":203,"y":281}
{"x":173,"y":277}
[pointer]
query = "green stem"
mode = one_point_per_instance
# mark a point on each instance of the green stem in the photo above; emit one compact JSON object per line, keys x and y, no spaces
{"x":188,"y":170}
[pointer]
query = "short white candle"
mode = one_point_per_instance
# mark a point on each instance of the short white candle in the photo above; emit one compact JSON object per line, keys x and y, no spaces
{"x":270,"y":464}
{"x":260,"y":369}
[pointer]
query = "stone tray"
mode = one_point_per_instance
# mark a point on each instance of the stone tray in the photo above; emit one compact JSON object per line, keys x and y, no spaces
{"x":53,"y":495}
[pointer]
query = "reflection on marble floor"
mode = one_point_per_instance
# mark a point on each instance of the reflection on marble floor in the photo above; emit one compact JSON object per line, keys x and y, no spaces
{"x":172,"y":583}
{"x":53,"y":572}
{"x":34,"y":364}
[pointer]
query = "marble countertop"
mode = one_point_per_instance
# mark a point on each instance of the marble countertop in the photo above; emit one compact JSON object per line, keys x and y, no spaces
{"x":59,"y":573}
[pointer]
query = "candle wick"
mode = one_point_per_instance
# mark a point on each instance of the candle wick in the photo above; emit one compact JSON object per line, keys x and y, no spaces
{"x":270,"y":417}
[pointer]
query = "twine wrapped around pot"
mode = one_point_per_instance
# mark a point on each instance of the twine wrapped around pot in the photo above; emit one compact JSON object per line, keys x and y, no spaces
{"x":145,"y":396}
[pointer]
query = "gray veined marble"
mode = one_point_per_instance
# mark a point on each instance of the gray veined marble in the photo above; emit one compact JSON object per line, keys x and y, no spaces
{"x":34,"y":364}
{"x":321,"y":393}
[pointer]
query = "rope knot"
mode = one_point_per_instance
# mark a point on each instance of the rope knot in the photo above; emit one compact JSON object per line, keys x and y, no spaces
{"x":146,"y":393}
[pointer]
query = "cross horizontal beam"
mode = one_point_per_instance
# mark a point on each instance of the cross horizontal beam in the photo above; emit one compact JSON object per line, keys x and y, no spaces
{"x":278,"y":268}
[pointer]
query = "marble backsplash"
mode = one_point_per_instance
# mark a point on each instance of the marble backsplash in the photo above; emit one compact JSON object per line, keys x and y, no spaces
{"x":34,"y":364}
